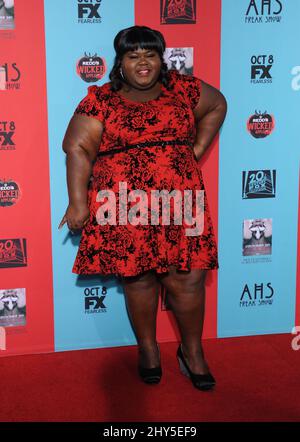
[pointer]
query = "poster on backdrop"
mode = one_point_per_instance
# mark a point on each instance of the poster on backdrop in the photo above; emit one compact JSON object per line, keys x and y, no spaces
{"x":257,"y":237}
{"x":12,"y":307}
{"x":181,"y":59}
{"x":7,"y":15}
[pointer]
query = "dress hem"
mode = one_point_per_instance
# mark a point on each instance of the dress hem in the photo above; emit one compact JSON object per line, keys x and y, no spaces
{"x":157,"y":270}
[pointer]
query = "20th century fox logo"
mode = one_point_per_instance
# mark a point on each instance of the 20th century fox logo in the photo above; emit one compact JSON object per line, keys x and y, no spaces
{"x":94,"y":299}
{"x":88,"y":11}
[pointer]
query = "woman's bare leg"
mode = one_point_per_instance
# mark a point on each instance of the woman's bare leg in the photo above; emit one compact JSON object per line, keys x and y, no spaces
{"x":141,"y":294}
{"x":186,"y":296}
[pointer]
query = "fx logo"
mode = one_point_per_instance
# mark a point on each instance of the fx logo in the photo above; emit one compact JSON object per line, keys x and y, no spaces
{"x":261,"y":66}
{"x":6,"y":138}
{"x":95,"y":302}
{"x":92,"y":299}
{"x":2,"y":338}
{"x":86,"y":9}
{"x":7,"y":130}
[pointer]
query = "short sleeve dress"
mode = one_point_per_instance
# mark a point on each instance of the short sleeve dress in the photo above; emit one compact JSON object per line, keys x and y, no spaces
{"x":145,"y":155}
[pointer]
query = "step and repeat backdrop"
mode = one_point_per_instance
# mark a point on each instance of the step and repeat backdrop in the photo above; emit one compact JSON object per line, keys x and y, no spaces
{"x":50,"y":52}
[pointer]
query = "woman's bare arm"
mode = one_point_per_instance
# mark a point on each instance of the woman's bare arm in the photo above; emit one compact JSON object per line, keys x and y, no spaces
{"x":209,"y":115}
{"x":81,"y":144}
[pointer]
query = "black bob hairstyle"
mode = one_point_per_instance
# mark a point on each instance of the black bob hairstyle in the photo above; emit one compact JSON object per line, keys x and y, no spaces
{"x":131,"y":39}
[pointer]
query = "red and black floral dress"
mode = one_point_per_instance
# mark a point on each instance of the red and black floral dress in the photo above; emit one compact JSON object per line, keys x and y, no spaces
{"x":145,"y":146}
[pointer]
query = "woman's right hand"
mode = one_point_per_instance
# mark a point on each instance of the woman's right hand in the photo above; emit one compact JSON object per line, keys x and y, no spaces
{"x":76,"y":217}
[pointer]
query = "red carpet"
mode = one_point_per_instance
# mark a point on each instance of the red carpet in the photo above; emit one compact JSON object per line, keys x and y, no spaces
{"x":257,"y":380}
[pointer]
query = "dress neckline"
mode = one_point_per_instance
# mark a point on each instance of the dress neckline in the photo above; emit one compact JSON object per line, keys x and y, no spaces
{"x":142,"y":102}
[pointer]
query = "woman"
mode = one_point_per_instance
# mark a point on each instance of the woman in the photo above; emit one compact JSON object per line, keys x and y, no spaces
{"x":146,"y":129}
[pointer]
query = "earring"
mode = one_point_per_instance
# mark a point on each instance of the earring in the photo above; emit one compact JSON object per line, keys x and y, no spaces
{"x":121,"y":73}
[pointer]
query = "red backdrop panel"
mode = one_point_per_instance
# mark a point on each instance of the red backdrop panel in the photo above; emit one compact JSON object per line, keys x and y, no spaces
{"x":204,"y":37}
{"x":28,"y":165}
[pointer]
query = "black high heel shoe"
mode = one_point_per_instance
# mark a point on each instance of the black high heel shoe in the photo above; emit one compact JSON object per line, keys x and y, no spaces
{"x":203,"y":382}
{"x":150,"y":375}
